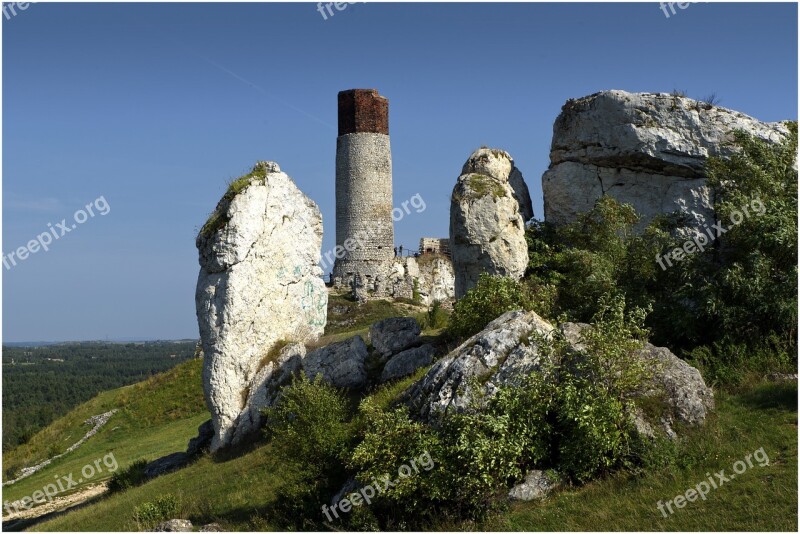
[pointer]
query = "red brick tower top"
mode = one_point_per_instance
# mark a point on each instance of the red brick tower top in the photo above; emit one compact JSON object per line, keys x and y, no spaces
{"x":363,"y":111}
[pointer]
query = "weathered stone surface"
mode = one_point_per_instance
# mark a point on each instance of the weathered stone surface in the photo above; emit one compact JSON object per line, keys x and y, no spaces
{"x":536,"y":486}
{"x":494,"y":354}
{"x":259,"y":283}
{"x":340,"y":364}
{"x":430,"y":274}
{"x":201,"y":443}
{"x":364,"y":222}
{"x":393,"y":335}
{"x":488,"y":211}
{"x":407,"y":362}
{"x":686,"y":392}
{"x":499,"y":165}
{"x":265,"y":387}
{"x":681,"y":384}
{"x":174,"y":525}
{"x":212,"y":527}
{"x":509,"y":349}
{"x":648,"y":150}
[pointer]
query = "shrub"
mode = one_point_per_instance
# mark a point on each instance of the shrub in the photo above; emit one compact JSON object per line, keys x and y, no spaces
{"x":436,"y":316}
{"x":729,"y":298}
{"x":310,"y":432}
{"x":595,"y":400}
{"x":149,"y":514}
{"x":127,"y":478}
{"x":493,"y":296}
{"x":572,"y":415}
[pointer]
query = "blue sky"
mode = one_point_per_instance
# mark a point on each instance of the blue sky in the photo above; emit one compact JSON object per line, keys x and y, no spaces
{"x":154,"y":107}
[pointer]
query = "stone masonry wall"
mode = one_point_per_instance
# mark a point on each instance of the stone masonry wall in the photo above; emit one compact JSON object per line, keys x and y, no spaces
{"x":364,"y":224}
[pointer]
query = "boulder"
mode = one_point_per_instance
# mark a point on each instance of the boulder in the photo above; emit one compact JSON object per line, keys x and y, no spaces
{"x":495,"y":355}
{"x":265,"y":387}
{"x":537,"y":485}
{"x":174,"y":525}
{"x":678,"y":383}
{"x":259,"y":284}
{"x":201,"y":443}
{"x":488,"y":211}
{"x":341,"y":364}
{"x":212,"y":527}
{"x":648,"y":150}
{"x":407,"y":362}
{"x":509,"y":349}
{"x":394,"y":335}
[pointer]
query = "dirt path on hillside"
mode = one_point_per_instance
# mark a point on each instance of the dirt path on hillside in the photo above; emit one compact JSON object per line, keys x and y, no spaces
{"x":57,"y":505}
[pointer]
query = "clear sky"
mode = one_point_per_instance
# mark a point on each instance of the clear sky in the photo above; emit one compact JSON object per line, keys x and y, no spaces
{"x":154,"y":107}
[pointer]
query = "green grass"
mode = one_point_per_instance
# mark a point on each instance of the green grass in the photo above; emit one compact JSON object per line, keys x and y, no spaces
{"x":240,"y":492}
{"x":484,"y":185}
{"x":155,"y":418}
{"x":762,"y":498}
{"x":219,"y":218}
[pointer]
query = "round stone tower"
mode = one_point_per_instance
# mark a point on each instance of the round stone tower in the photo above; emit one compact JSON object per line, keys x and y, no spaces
{"x":364,"y":225}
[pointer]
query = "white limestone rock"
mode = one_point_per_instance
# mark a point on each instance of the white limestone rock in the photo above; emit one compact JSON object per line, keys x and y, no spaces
{"x":537,"y":485}
{"x":644,"y":149}
{"x":488,"y":211}
{"x":431,"y":274}
{"x":510,"y":348}
{"x":265,"y":387}
{"x":259,"y":284}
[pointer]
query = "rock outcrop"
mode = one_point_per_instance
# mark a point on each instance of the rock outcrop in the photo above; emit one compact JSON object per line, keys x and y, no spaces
{"x":259,"y":284}
{"x":677,"y":382}
{"x":394,"y":335}
{"x":644,"y":149}
{"x":537,"y":485}
{"x":510,"y":348}
{"x":429,"y":277}
{"x":495,"y":355}
{"x":340,"y":364}
{"x":265,"y":387}
{"x":488,"y":211}
{"x":407,"y":362}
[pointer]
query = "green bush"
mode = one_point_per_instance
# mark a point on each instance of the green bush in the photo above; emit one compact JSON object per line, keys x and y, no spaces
{"x":573,"y":415}
{"x":436,"y":317}
{"x":129,"y":477}
{"x":310,"y":433}
{"x":595,"y":401}
{"x":149,"y":514}
{"x":740,"y":291}
{"x":493,"y":296}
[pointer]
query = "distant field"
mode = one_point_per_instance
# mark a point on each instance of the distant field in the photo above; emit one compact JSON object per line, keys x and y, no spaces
{"x":42,"y":383}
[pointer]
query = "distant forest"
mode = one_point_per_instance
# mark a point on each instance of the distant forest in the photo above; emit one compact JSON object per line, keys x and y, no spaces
{"x":41,"y":384}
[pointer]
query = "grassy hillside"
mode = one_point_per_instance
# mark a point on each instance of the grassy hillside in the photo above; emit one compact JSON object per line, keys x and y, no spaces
{"x":240,"y":492}
{"x":156,"y":417}
{"x":41,"y":384}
